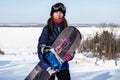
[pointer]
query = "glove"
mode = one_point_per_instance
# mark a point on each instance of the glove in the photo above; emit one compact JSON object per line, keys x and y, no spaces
{"x":43,"y":62}
{"x":46,"y":49}
{"x":68,"y":57}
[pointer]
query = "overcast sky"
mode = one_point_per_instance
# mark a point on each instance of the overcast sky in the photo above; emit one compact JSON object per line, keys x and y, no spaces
{"x":78,"y":11}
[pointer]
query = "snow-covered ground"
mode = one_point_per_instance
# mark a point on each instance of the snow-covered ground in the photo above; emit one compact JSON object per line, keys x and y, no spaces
{"x":17,"y":67}
{"x":87,"y":70}
{"x":19,"y":44}
{"x":20,"y":40}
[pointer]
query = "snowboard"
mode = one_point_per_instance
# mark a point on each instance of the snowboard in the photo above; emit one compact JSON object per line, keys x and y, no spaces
{"x":66,"y":43}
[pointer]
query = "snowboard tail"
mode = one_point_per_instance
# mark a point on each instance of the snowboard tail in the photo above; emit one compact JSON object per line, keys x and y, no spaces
{"x":36,"y":73}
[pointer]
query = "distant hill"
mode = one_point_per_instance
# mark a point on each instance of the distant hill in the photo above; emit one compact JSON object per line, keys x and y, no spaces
{"x":21,"y":25}
{"x":42,"y":25}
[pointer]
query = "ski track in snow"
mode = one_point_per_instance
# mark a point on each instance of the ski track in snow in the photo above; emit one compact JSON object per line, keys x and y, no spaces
{"x":88,"y":71}
{"x":15,"y":70}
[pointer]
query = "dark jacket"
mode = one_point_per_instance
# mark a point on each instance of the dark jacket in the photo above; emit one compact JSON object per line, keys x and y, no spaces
{"x":47,"y":40}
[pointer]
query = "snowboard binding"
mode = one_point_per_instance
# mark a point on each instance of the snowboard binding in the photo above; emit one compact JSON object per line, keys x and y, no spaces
{"x":54,"y":60}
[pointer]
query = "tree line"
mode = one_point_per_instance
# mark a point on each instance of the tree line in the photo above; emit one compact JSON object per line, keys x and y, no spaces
{"x":107,"y":44}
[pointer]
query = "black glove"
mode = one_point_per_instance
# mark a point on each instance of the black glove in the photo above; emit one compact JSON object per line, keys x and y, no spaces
{"x":47,"y":49}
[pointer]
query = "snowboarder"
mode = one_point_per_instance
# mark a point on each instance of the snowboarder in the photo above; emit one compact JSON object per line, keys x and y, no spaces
{"x":56,"y":23}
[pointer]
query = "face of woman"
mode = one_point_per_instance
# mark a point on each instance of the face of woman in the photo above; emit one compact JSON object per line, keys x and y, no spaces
{"x":58,"y":15}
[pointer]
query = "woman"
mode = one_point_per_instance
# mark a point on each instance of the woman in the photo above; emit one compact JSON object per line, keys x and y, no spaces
{"x":56,"y":23}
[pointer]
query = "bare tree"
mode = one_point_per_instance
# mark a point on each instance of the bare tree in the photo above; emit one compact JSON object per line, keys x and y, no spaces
{"x":108,"y":43}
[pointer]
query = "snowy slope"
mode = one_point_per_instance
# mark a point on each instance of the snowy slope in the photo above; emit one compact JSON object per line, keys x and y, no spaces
{"x":17,"y":67}
{"x":89,"y":71}
{"x":19,"y":40}
{"x":19,"y":44}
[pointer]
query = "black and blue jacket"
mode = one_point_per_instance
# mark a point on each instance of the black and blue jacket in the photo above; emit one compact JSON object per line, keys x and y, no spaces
{"x":47,"y":40}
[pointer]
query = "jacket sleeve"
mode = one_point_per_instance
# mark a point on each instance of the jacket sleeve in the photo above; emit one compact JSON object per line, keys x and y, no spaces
{"x":42,"y":42}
